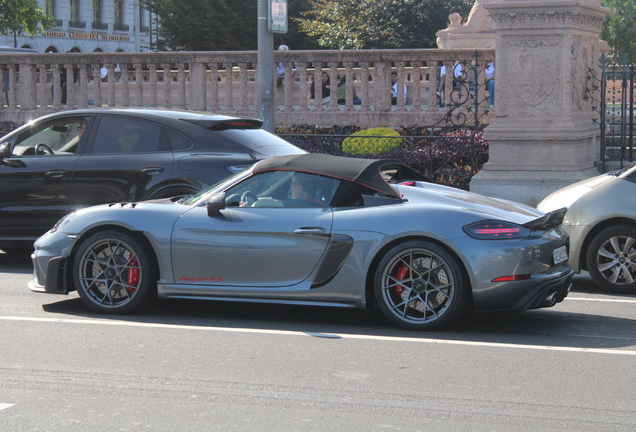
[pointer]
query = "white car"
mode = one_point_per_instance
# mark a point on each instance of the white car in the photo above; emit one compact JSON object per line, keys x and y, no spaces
{"x":601,"y":222}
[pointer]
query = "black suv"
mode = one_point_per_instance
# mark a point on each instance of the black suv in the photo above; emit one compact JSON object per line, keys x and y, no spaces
{"x":64,"y":161}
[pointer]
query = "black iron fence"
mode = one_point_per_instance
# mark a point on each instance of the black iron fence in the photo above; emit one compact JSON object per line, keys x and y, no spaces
{"x":611,"y":92}
{"x":449,"y":152}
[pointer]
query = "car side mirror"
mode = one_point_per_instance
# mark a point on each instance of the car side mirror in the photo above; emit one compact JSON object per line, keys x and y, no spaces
{"x":5,"y":151}
{"x":215,"y":203}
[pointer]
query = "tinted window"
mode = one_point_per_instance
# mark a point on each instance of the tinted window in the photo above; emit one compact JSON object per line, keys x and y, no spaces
{"x":125,"y":135}
{"x":178,"y":141}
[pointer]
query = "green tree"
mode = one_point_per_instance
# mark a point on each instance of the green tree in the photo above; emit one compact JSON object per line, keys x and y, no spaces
{"x":219,"y":25}
{"x":23,"y":17}
{"x":619,"y":28}
{"x":357,"y":24}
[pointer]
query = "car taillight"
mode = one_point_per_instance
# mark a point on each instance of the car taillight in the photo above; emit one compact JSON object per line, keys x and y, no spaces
{"x":512,"y":278}
{"x":496,"y":230}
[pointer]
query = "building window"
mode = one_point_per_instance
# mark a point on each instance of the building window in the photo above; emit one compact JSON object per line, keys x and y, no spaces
{"x":141,"y":16}
{"x":97,"y":11}
{"x":75,"y":12}
{"x":50,"y":8}
{"x":119,"y":13}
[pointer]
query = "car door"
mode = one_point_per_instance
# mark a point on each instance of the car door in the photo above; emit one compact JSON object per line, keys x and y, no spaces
{"x":250,"y":246}
{"x":127,"y":159}
{"x":35,"y":182}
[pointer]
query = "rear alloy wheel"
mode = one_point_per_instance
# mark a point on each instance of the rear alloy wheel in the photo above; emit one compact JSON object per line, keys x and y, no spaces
{"x":420,"y":286}
{"x":611,"y":259}
{"x":114,"y":273}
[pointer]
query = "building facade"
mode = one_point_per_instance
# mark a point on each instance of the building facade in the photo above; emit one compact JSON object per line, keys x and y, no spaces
{"x":91,"y":26}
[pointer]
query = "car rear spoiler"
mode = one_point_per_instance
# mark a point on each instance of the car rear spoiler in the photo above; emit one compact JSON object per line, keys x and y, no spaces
{"x":547,"y":221}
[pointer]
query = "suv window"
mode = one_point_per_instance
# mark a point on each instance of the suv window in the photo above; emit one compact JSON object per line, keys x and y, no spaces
{"x":178,"y":141}
{"x":125,"y":135}
{"x":61,"y":136}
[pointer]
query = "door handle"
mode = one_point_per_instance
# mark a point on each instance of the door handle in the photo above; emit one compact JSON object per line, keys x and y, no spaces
{"x":152,"y":170}
{"x":309,"y":230}
{"x":56,"y":174}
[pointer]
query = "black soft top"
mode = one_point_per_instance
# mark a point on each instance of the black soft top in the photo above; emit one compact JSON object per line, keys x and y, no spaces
{"x":373,"y":173}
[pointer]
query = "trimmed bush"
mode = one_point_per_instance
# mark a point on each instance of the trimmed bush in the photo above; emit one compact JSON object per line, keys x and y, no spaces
{"x":371,"y":145}
{"x":443,"y":156}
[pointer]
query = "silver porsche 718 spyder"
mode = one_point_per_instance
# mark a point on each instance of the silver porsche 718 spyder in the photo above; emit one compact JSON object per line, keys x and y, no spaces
{"x":314,"y":229}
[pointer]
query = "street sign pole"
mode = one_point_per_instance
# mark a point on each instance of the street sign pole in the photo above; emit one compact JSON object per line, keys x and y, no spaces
{"x":265,"y":78}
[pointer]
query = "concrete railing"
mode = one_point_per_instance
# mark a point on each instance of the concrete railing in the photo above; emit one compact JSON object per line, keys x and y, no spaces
{"x":225,"y":82}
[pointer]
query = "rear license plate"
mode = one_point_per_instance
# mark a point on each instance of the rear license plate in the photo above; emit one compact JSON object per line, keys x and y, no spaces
{"x":560,"y":254}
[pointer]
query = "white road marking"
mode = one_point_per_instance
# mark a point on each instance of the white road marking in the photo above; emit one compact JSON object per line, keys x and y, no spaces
{"x":323,"y":335}
{"x":601,"y":300}
{"x":5,"y":405}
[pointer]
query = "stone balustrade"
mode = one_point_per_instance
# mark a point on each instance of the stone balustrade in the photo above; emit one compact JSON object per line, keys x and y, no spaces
{"x":225,"y":83}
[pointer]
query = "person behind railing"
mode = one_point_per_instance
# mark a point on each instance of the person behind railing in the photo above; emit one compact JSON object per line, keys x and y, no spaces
{"x":490,"y":83}
{"x":394,"y":88}
{"x":326,"y":88}
{"x":457,"y":73}
{"x":342,"y":92}
{"x":280,"y":69}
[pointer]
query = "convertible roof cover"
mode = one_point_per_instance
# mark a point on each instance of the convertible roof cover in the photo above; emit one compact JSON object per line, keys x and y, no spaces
{"x":372,"y":173}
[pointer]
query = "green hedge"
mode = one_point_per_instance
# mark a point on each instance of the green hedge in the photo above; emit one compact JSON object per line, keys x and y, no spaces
{"x":371,"y":145}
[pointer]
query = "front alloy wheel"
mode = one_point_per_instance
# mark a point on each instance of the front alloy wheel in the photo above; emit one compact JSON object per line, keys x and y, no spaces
{"x":611,"y":259}
{"x":114,"y":273}
{"x":420,"y":286}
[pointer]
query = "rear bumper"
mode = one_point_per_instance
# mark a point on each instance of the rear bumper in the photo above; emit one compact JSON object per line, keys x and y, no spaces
{"x":545,"y":294}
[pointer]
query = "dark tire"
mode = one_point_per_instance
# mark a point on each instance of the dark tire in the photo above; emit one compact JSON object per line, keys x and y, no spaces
{"x":420,"y":286}
{"x":611,"y":259}
{"x":114,"y":273}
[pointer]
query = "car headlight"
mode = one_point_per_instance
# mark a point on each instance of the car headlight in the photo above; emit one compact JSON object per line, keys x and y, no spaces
{"x":63,"y":222}
{"x":496,"y":230}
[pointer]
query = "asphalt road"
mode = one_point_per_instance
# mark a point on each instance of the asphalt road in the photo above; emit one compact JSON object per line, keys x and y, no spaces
{"x":214,"y":366}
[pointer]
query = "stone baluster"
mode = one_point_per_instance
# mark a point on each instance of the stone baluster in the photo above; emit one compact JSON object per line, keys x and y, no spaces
{"x":83,"y":77}
{"x":167,"y":83}
{"x":333,"y":86}
{"x":198,"y":82}
{"x":243,"y":86}
{"x":318,"y":86}
{"x":97,"y":86}
{"x":302,"y":88}
{"x":57,"y":87}
{"x":110,"y":84}
{"x":181,"y":86}
{"x":139,"y":85}
{"x":43,"y":88}
{"x":214,"y":87}
{"x":400,"y":105}
{"x":364,"y":93}
{"x":432,"y":86}
{"x":152,"y":81}
{"x":125,"y":84}
{"x":349,"y":86}
{"x":229,"y":94}
{"x":288,"y":82}
{"x":416,"y":89}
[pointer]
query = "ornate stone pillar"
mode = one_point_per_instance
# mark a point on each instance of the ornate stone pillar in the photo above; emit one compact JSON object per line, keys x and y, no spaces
{"x":542,"y":136}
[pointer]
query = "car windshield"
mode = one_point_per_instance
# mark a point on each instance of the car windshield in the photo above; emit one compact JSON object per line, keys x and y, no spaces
{"x":220,"y":186}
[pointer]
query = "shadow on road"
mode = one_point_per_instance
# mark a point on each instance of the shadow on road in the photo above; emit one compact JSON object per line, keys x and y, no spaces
{"x":543,"y":327}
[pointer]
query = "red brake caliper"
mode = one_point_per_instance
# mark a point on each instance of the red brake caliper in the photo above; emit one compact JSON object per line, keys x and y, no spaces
{"x":133,"y":276}
{"x":401,"y":275}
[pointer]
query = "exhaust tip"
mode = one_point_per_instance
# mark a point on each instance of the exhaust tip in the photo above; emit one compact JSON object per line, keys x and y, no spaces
{"x":549,"y":300}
